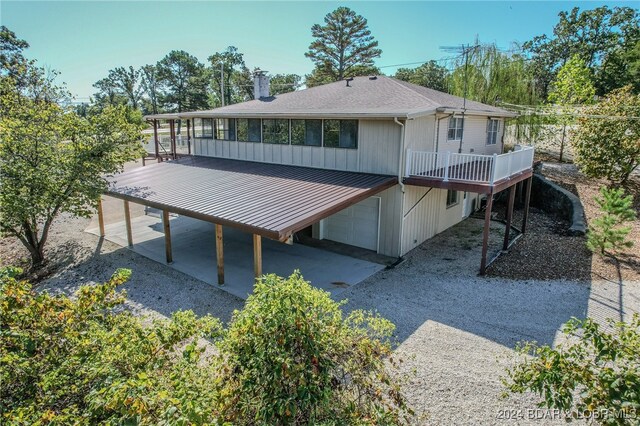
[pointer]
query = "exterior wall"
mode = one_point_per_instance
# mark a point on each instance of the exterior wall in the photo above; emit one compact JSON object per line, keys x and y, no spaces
{"x":377,"y":152}
{"x":474,"y":138}
{"x":419,"y":134}
{"x":430,"y":216}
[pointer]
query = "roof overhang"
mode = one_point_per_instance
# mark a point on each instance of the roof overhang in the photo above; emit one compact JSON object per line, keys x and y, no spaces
{"x":281,"y":115}
{"x":270,"y":200}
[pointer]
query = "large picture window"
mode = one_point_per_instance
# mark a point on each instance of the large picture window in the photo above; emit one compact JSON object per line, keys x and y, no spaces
{"x":340,"y":134}
{"x":249,"y":129}
{"x":226,"y":129}
{"x":275,"y":131}
{"x":493,"y":127}
{"x":203,"y":128}
{"x":456,"y":127}
{"x":306,"y":132}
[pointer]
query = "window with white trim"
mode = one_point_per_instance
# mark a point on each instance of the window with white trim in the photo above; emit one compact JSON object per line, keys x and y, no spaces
{"x":452,"y":198}
{"x":493,"y":127}
{"x":456,"y":126}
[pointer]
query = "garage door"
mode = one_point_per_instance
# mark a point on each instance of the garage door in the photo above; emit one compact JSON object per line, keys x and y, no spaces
{"x":356,"y":225}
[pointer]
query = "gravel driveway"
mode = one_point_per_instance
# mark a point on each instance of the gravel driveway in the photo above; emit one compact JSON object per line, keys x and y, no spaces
{"x":456,"y":330}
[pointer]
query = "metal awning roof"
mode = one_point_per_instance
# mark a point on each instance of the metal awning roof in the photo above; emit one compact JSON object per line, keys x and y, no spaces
{"x":271,"y":200}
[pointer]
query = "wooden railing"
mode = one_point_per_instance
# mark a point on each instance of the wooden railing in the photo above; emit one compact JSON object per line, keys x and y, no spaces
{"x":475,"y":168}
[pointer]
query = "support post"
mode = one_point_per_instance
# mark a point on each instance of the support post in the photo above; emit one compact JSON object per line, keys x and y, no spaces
{"x":527,"y":197}
{"x":507,"y":231}
{"x":219,"y":254}
{"x":127,"y":221}
{"x":155,"y":138}
{"x":257,"y":255}
{"x":446,"y":166}
{"x":172,"y":129}
{"x":485,"y":234}
{"x":167,"y":235}
{"x":188,"y":136}
{"x":100,"y":218}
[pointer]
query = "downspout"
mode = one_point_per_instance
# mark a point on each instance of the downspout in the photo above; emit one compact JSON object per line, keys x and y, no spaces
{"x":401,"y":166}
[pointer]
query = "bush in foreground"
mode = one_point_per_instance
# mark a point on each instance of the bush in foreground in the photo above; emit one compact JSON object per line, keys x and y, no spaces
{"x":290,"y":357}
{"x":594,"y":375}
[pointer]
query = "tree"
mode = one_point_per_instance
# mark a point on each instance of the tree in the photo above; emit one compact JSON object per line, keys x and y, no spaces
{"x":128,"y":82}
{"x":151,"y":85}
{"x":592,"y":34}
{"x":608,"y":232}
{"x":11,"y":49}
{"x":606,"y":140}
{"x":230,"y":64}
{"x":54,"y":161}
{"x":594,"y":375}
{"x":283,"y":83}
{"x":343,"y":47}
{"x":108,"y":93}
{"x":429,"y":74}
{"x":571,"y":88}
{"x":184,"y":82}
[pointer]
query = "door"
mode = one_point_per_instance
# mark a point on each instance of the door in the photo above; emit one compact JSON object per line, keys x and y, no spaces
{"x":357,"y":225}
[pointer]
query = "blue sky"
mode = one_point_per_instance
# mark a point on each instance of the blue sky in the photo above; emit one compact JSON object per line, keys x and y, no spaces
{"x":84,"y":39}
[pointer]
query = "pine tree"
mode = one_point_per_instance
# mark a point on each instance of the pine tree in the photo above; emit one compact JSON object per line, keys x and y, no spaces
{"x":606,"y":232}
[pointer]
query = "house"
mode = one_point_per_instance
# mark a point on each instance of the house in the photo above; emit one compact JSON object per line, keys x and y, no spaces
{"x":372,"y":162}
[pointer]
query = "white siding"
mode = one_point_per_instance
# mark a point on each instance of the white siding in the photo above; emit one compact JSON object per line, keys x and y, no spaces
{"x":475,"y":137}
{"x":419,"y":134}
{"x":377,"y":152}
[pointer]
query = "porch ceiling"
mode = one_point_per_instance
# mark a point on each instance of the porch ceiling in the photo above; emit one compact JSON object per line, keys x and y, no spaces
{"x":265,"y":199}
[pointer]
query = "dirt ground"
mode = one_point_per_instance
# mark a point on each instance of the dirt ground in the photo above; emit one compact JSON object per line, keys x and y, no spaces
{"x":547,"y":252}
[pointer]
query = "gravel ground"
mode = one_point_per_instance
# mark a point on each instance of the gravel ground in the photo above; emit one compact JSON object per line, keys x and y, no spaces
{"x":455,"y":330}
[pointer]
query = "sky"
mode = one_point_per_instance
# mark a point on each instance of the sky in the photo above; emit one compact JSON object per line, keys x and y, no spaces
{"x":84,"y":39}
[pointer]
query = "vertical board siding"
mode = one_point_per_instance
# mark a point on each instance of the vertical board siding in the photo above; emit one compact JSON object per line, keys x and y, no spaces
{"x":475,"y":137}
{"x":419,"y":134}
{"x":390,"y":220}
{"x":378,"y":146}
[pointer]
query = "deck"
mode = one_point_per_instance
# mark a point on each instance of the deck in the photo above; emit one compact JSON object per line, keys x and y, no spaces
{"x":484,"y":174}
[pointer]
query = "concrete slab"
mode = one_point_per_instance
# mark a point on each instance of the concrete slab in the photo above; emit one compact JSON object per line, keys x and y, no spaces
{"x":193,"y":243}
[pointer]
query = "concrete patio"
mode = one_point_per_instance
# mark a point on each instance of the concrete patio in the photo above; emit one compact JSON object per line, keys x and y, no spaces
{"x":193,"y":244}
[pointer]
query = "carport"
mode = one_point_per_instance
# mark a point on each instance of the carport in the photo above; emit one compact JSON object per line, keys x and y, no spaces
{"x":264,"y":200}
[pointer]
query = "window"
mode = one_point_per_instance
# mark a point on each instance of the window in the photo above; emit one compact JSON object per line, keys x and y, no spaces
{"x":226,"y":129}
{"x":452,"y":198}
{"x":203,"y":128}
{"x":456,"y":125}
{"x":249,"y":129}
{"x":493,"y":127}
{"x":340,"y":134}
{"x":306,"y":132}
{"x":275,"y":131}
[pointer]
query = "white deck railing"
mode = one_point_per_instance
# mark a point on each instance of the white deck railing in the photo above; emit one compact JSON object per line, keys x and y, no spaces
{"x":475,"y":168}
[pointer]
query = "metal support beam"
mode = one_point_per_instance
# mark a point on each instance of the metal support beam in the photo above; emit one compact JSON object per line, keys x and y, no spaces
{"x":188,"y":136}
{"x":257,"y":255}
{"x":527,"y":198}
{"x":100,"y":218}
{"x":485,"y":234}
{"x":172,"y":129}
{"x":507,"y":231}
{"x":167,"y":235}
{"x":127,"y":222}
{"x":219,"y":254}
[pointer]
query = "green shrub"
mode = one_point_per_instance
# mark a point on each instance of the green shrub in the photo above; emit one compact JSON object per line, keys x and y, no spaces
{"x":600,"y":368}
{"x":290,"y":357}
{"x":77,"y":361}
{"x":607,"y":231}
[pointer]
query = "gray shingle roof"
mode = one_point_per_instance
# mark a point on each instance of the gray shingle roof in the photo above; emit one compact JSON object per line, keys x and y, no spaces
{"x":377,"y":97}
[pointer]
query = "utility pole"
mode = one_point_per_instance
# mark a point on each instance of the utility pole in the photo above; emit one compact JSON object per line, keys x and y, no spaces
{"x":222,"y":82}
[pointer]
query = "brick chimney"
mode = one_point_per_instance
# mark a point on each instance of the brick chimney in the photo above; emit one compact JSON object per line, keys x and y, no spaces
{"x":260,"y":84}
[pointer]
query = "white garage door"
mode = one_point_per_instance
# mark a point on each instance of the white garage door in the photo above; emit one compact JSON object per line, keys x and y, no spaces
{"x":356,"y":225}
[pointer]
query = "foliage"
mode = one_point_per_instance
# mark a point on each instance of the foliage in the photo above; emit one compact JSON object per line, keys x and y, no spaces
{"x":602,"y":367}
{"x":52,"y":160}
{"x":606,"y":232}
{"x":598,"y":36}
{"x":429,"y":74}
{"x":606,"y":141}
{"x":342,"y":47}
{"x":151,"y":85}
{"x":235,"y":71}
{"x":11,"y":49}
{"x":284,"y":83}
{"x":572,"y":85}
{"x":83,"y":360}
{"x":291,"y":357}
{"x":123,"y":86}
{"x":184,"y":82}
{"x":488,"y":75}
